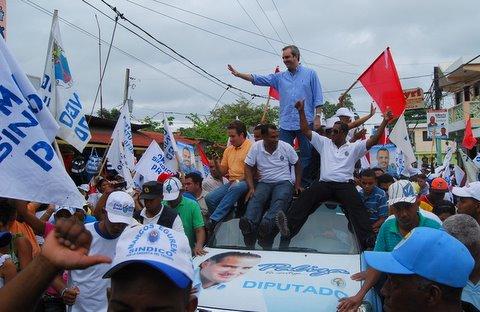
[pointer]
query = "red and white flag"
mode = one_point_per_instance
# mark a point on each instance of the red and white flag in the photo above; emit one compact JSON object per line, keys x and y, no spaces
{"x":469,"y":141}
{"x":382,"y":83}
{"x":272,"y":92}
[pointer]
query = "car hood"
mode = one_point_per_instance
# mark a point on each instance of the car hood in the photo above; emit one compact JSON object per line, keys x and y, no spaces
{"x":282,"y":281}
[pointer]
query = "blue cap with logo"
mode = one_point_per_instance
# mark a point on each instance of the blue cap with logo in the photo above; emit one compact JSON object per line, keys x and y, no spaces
{"x":401,"y":191}
{"x":431,"y":253}
{"x":161,"y":248}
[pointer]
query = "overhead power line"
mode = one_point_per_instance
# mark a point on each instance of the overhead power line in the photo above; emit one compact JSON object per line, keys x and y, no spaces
{"x":122,"y":16}
{"x":269,"y":21}
{"x":283,"y":22}
{"x":85,"y":32}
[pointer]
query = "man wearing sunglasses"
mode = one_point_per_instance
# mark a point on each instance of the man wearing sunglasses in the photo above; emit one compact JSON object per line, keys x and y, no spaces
{"x":338,"y":158}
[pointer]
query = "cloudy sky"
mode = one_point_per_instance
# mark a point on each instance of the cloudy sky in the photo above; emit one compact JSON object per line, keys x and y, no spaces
{"x":342,"y":38}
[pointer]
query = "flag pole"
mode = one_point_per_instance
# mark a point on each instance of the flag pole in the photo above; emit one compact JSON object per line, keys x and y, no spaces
{"x":344,"y":94}
{"x":265,"y":110}
{"x":57,"y":149}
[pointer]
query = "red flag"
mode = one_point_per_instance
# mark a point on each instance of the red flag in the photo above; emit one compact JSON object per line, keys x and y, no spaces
{"x":469,"y":140}
{"x":203,"y":156}
{"x":272,"y":92}
{"x":382,"y":83}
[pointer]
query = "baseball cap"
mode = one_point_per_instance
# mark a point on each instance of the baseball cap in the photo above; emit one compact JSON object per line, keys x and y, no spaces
{"x":71,"y":210}
{"x":171,"y":188}
{"x":469,"y":190}
{"x":161,"y":248}
{"x":84,"y":187}
{"x":330,"y":122}
{"x":164,"y":176}
{"x":5,"y":238}
{"x":343,"y":111}
{"x":431,"y":253}
{"x":120,"y":207}
{"x":151,"y":190}
{"x":439,"y":184}
{"x":401,"y":191}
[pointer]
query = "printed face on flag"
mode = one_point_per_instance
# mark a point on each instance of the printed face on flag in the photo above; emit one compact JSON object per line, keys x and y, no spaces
{"x":383,"y":156}
{"x":188,"y":157}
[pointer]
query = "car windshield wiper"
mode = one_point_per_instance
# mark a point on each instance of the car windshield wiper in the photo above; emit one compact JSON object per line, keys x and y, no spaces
{"x":298,"y":249}
{"x":231,"y":247}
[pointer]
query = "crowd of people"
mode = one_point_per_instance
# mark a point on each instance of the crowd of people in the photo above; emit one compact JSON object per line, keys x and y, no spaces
{"x":421,"y":235}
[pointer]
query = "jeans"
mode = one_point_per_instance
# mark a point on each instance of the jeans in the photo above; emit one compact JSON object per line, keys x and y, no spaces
{"x":305,"y":150}
{"x":346,"y":195}
{"x":221,"y":201}
{"x":280,"y":195}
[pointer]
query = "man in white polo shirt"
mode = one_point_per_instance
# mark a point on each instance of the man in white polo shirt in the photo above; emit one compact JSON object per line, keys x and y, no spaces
{"x":119,"y":211}
{"x":273,"y":160}
{"x":338,"y":158}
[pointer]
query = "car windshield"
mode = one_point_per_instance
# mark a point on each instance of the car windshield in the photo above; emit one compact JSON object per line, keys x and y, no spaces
{"x":325,"y":231}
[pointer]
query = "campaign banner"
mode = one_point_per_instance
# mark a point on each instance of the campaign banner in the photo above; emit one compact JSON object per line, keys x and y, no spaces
{"x":151,"y":165}
{"x":187,"y":158}
{"x":437,"y":124}
{"x":170,"y":146}
{"x":414,"y":98}
{"x":59,"y":93}
{"x":273,"y":280}
{"x":384,"y":157}
{"x":29,"y":167}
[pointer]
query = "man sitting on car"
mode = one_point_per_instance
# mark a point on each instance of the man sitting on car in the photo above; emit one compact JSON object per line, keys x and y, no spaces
{"x":338,"y":158}
{"x":273,"y":160}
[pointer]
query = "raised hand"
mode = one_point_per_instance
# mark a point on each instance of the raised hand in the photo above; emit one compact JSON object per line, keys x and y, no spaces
{"x":373,"y":109}
{"x":299,"y":105}
{"x":232,"y":70}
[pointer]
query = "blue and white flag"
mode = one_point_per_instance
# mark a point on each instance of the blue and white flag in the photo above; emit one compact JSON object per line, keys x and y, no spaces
{"x":120,"y":154}
{"x":29,"y":168}
{"x":399,"y":137}
{"x":59,"y":93}
{"x":170,"y":147}
{"x":152,"y":164}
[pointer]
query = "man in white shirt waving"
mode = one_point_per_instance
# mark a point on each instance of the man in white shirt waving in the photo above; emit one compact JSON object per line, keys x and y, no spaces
{"x":273,"y":160}
{"x":338,"y":158}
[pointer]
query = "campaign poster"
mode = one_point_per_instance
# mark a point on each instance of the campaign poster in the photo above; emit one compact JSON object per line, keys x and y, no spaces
{"x":3,"y":18}
{"x":383,"y":156}
{"x":437,"y":124}
{"x":187,"y":157}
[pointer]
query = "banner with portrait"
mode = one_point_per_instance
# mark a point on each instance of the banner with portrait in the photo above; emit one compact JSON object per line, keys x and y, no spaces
{"x":187,"y":157}
{"x":384,"y":157}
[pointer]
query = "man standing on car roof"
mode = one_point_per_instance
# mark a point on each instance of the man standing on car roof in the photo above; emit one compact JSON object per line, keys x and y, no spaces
{"x":338,"y":158}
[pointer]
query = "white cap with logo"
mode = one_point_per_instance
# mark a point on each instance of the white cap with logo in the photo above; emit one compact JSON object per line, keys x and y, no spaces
{"x":161,"y":248}
{"x":71,"y":210}
{"x":120,"y":207}
{"x":469,"y":190}
{"x":401,"y":191}
{"x":171,"y":188}
{"x":343,"y":111}
{"x":330,"y":122}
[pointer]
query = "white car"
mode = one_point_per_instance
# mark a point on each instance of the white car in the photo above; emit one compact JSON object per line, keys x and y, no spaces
{"x":311,"y":274}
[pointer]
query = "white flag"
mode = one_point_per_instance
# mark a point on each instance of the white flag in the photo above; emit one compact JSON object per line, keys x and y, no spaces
{"x":29,"y":168}
{"x":470,"y":168}
{"x":152,"y":163}
{"x":459,"y":175}
{"x":120,"y":154}
{"x":59,"y":93}
{"x":170,"y":146}
{"x":365,"y":164}
{"x":399,"y":137}
{"x":13,"y":72}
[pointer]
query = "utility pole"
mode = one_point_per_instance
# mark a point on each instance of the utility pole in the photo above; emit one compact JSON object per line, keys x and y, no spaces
{"x":127,"y":85}
{"x":437,"y":96}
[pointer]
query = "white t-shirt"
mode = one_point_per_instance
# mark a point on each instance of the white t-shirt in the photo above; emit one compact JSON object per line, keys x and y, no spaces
{"x":275,"y":167}
{"x":471,"y":293}
{"x":93,"y":288}
{"x":337,"y":163}
{"x":176,"y":226}
{"x":210,"y":184}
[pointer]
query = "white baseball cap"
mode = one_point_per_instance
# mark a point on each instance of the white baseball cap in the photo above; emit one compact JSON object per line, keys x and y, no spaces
{"x":120,"y":207}
{"x":343,"y":111}
{"x":84,"y":187}
{"x":161,"y":248}
{"x":63,"y":207}
{"x":401,"y":191}
{"x":330,"y":122}
{"x":469,"y":190}
{"x":171,"y":188}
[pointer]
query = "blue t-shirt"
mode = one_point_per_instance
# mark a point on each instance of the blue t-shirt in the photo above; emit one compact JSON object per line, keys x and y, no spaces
{"x":376,"y":203}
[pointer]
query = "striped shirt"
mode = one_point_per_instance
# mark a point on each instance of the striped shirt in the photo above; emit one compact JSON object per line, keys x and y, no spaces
{"x":389,"y":235}
{"x":376,"y":203}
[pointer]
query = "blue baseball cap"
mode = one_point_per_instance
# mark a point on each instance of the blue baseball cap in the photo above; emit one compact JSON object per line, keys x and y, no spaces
{"x":431,"y":253}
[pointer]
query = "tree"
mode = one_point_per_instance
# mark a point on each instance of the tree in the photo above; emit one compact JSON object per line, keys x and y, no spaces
{"x":112,"y":114}
{"x":329,"y":109}
{"x":154,"y":125}
{"x":213,"y":128}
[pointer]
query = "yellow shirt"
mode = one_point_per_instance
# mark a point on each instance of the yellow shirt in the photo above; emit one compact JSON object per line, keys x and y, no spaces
{"x":234,"y":160}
